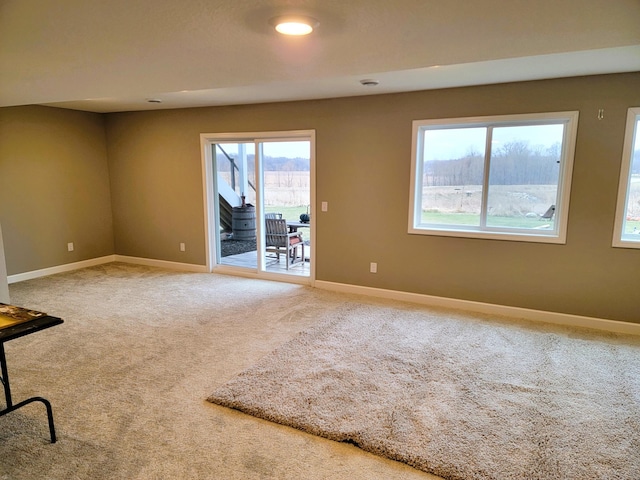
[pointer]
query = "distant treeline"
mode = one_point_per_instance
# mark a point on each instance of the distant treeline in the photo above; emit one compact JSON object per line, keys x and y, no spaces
{"x":513,"y":164}
{"x":269,"y":164}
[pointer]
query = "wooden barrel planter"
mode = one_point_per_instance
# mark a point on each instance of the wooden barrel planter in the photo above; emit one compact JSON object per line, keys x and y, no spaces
{"x":243,"y":222}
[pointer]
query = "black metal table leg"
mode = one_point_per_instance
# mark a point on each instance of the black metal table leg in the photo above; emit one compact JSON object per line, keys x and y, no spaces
{"x":47,"y":404}
{"x":7,"y":395}
{"x":5,"y":376}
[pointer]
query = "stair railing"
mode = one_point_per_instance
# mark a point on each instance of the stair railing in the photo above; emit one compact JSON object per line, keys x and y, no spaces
{"x":233,"y":168}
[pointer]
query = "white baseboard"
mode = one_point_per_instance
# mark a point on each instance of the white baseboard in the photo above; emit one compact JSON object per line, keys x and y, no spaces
{"x":67,"y":267}
{"x":518,"y":312}
{"x":524,"y":313}
{"x":150,"y":262}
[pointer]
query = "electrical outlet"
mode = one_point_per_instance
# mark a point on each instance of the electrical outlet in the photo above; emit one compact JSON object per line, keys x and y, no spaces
{"x":183,"y":248}
{"x":70,"y":246}
{"x":325,"y":206}
{"x":373,"y":267}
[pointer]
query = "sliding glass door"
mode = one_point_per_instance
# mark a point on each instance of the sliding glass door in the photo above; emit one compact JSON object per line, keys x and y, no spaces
{"x":259,"y":201}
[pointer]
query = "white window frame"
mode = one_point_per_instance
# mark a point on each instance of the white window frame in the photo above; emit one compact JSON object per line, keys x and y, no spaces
{"x":620,"y":239}
{"x":557,"y":235}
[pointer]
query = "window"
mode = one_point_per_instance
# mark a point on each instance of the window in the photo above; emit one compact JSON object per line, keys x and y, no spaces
{"x":627,"y":226}
{"x":504,"y":177}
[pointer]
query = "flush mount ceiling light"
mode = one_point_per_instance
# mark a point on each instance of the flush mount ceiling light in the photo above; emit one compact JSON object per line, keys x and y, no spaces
{"x":294,"y":24}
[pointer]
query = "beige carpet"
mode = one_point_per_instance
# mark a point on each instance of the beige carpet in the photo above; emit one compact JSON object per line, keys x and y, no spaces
{"x":454,"y":395}
{"x":129,"y":371}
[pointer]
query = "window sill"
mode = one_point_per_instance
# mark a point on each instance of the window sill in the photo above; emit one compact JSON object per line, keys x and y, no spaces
{"x":624,"y":243}
{"x":492,"y":235}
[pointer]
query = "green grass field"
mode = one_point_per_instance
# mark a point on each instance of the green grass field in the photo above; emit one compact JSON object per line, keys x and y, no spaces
{"x":474,"y":220}
{"x":289,"y":213}
{"x":631,"y":224}
{"x":511,"y":222}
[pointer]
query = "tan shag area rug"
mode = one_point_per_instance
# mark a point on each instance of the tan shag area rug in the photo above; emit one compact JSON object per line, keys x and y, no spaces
{"x":461,"y":397}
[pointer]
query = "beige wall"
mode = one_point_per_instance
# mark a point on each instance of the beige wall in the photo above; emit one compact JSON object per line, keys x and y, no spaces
{"x":154,"y":159}
{"x":54,"y":187}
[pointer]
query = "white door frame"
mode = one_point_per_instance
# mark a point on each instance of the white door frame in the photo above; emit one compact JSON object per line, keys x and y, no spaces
{"x":209,"y":189}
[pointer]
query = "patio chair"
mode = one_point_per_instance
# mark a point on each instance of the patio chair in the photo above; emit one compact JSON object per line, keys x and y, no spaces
{"x":272,"y":215}
{"x":548,"y":215}
{"x":279,"y":240}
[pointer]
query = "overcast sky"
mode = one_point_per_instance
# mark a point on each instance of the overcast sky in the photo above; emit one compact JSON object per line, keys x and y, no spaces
{"x":453,"y":143}
{"x":296,"y":149}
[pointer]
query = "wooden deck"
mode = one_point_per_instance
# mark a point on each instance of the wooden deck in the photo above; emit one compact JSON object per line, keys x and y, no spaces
{"x":250,"y":260}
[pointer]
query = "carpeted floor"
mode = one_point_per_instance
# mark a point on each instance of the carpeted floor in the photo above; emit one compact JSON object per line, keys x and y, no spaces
{"x":458,"y":396}
{"x":129,"y":371}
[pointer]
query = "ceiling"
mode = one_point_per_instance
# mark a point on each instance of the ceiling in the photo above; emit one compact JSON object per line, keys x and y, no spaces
{"x":108,"y":56}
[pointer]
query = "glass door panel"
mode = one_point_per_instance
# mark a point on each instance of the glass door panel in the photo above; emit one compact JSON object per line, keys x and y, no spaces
{"x":286,"y":197}
{"x":235,"y":204}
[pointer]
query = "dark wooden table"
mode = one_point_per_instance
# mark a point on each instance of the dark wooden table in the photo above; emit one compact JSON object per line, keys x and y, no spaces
{"x":294,"y":226}
{"x":16,"y":330}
